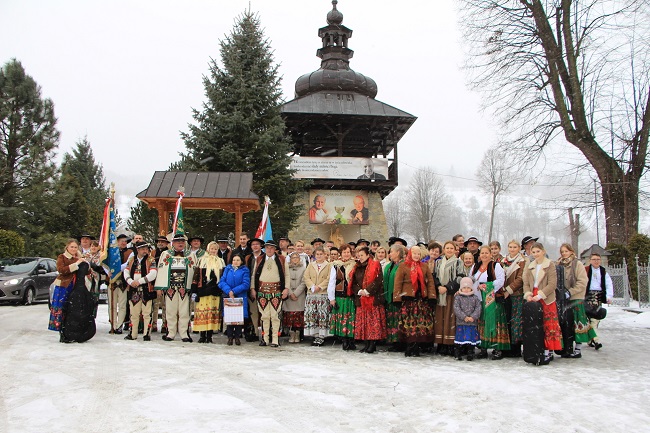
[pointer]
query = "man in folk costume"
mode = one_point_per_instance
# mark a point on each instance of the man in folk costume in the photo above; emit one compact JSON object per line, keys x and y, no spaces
{"x":162,"y":244}
{"x":268,"y":284}
{"x":175,"y":276}
{"x":195,"y":246}
{"x":117,"y":294}
{"x":140,"y":273}
{"x":251,"y":262}
{"x":600,"y":290}
{"x":195,"y":243}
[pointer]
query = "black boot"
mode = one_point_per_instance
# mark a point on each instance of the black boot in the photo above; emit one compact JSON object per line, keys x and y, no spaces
{"x":346,"y":344}
{"x":365,"y":348}
{"x":409,"y":349}
{"x":470,"y":353}
{"x":483,"y":354}
{"x":351,"y":344}
{"x":457,"y":353}
{"x":372,"y":347}
{"x":202,"y":337}
{"x":416,"y":350}
{"x":208,"y":338}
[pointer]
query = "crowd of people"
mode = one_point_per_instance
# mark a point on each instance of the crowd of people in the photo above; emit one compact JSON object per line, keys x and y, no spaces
{"x":457,"y":298}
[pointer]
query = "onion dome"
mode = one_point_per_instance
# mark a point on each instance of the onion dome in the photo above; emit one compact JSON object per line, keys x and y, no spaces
{"x":335,"y":73}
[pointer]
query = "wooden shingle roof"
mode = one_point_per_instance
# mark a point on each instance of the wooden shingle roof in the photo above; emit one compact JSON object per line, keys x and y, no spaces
{"x":201,"y":185}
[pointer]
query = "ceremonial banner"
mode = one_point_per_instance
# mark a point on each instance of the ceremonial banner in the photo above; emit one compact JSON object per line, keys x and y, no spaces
{"x":264,"y":230}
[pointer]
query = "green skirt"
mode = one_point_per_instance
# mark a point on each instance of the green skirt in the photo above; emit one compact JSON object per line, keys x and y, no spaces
{"x":343,"y":317}
{"x":392,"y":323}
{"x":583,"y":331}
{"x":500,"y":341}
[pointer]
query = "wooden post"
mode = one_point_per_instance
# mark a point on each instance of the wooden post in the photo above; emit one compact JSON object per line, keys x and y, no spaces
{"x":238,"y":221}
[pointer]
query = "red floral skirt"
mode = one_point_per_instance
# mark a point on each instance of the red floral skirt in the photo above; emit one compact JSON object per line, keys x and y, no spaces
{"x":293,"y":319}
{"x":552,"y":332}
{"x":370,"y":322}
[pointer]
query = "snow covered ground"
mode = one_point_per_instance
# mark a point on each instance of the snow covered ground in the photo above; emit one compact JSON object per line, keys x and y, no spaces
{"x":112,"y":385}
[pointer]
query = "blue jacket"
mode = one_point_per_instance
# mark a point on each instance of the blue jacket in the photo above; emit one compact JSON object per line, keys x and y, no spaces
{"x":239,"y":281}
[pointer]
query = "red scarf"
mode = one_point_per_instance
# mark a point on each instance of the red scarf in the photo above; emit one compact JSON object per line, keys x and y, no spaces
{"x":417,"y":277}
{"x":373,"y":269}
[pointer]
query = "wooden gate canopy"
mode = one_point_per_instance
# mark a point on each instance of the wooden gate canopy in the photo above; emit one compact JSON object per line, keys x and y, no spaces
{"x":228,"y":191}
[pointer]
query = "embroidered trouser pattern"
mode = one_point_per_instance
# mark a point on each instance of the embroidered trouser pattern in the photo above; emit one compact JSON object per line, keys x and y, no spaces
{"x":269,"y":302}
{"x":136,"y":308}
{"x":177,"y":304}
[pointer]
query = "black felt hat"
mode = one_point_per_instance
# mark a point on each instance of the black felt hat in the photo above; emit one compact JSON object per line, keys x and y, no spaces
{"x":317,"y":240}
{"x":394,"y":239}
{"x":123,"y":236}
{"x":472,"y":239}
{"x":527,"y":239}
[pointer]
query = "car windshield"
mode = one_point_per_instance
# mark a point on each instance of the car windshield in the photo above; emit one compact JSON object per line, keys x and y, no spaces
{"x":18,"y":265}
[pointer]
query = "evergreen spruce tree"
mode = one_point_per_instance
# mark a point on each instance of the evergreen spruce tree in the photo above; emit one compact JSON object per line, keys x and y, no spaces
{"x":28,"y":140}
{"x":82,"y":182}
{"x":240,"y":129}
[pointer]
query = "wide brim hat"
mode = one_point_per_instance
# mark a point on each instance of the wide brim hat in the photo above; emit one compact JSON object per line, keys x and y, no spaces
{"x":317,"y":240}
{"x":179,"y":237}
{"x":352,"y":244}
{"x":141,"y":244}
{"x":86,"y":235}
{"x":284,"y":238}
{"x":472,"y":239}
{"x":394,"y":239}
{"x":270,"y":243}
{"x":363,"y":241}
{"x":162,"y":239}
{"x":260,"y":241}
{"x":191,"y":238}
{"x":123,"y":236}
{"x":527,"y":239}
{"x":222,"y":239}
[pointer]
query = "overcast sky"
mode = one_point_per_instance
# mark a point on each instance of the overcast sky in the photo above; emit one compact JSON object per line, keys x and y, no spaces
{"x":128,"y":73}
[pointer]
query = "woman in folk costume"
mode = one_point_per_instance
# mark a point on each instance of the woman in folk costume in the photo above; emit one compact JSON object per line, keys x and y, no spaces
{"x":447,"y":275}
{"x":366,"y":282}
{"x":207,"y":312}
{"x":344,"y":310}
{"x":575,"y":281}
{"x":540,"y":282}
{"x":415,"y":289}
{"x":98,"y":273}
{"x":67,"y":264}
{"x":493,"y":327}
{"x":293,"y":307}
{"x":513,"y":265}
{"x":382,"y":257}
{"x":235,"y":283}
{"x":320,"y":282}
{"x":396,"y":255}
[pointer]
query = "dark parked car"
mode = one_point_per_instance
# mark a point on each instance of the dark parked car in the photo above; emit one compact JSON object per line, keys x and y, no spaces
{"x":26,"y":279}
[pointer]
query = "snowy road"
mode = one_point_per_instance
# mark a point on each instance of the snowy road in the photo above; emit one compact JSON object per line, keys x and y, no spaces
{"x":112,"y":385}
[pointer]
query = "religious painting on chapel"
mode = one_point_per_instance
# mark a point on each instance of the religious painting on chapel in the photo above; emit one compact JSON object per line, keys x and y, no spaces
{"x":338,"y":207}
